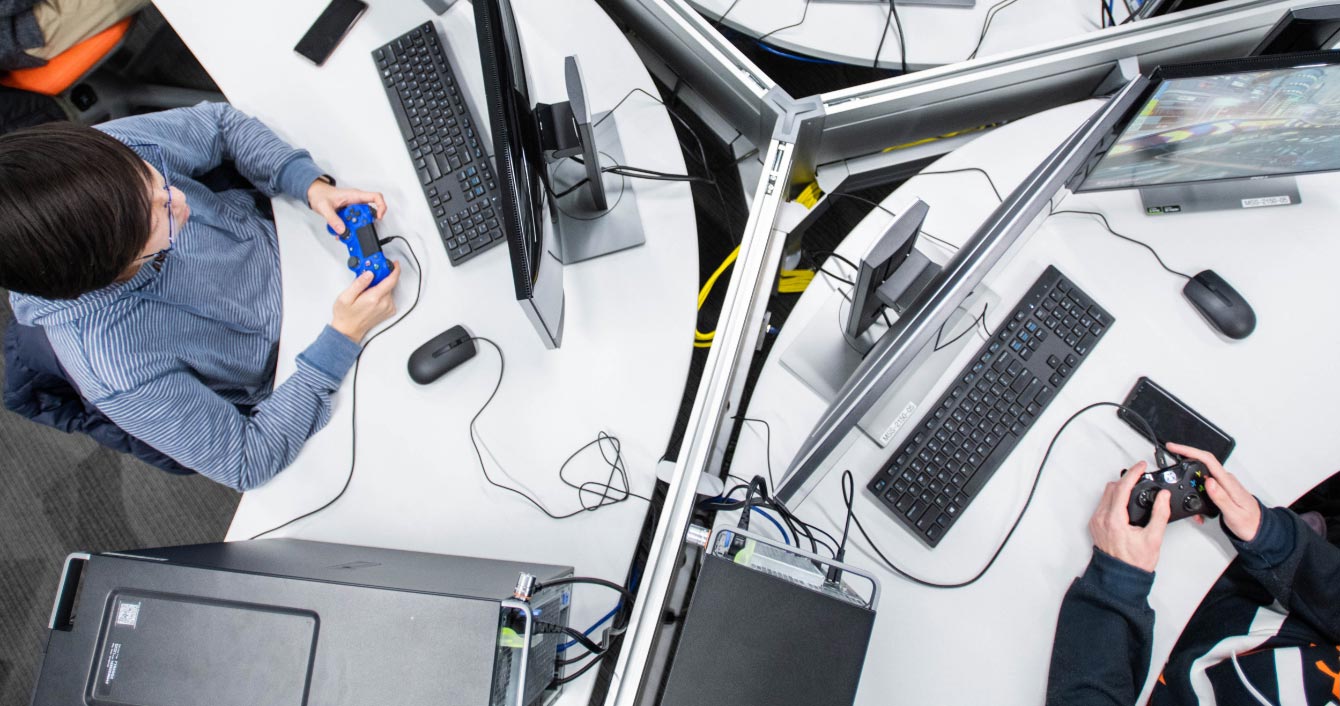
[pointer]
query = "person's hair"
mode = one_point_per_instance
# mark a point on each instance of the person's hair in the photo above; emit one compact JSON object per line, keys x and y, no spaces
{"x":75,"y":210}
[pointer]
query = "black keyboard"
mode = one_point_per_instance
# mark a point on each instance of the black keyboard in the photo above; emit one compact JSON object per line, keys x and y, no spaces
{"x":961,"y":441}
{"x":440,"y":134}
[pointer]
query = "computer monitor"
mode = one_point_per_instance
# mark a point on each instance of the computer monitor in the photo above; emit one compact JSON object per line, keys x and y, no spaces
{"x":1302,"y":29}
{"x":1224,"y":134}
{"x":892,"y":273}
{"x":550,"y":219}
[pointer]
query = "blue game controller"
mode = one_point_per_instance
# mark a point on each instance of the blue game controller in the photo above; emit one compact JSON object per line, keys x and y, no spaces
{"x":360,"y":236}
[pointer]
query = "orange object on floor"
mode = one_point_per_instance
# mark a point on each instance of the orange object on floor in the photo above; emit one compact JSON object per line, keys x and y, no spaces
{"x":73,"y":64}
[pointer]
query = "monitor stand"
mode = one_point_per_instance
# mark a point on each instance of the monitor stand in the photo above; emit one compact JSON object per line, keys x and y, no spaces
{"x":585,"y":232}
{"x":1220,"y":195}
{"x":822,"y":357}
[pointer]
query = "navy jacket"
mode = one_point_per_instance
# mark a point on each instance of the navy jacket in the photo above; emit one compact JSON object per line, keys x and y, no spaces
{"x":1105,"y":630}
{"x":37,"y":387}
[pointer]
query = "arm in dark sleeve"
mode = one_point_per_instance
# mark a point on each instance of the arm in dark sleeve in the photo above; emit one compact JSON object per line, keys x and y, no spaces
{"x":1103,"y":636}
{"x":1300,"y":569}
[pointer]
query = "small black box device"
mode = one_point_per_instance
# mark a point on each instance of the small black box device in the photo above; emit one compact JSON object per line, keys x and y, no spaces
{"x":291,"y":622}
{"x":764,"y":628}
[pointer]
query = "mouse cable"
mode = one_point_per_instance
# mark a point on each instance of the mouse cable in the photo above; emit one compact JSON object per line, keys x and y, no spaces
{"x":1128,"y":239}
{"x":602,"y":490}
{"x":849,"y":500}
{"x":353,"y":393}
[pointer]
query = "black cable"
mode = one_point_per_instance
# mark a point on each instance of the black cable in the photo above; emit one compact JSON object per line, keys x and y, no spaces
{"x":577,"y":635}
{"x":570,"y":580}
{"x":617,"y":468}
{"x":834,"y":573}
{"x":722,"y":17}
{"x":804,"y":13}
{"x":848,"y":482}
{"x":902,"y":41}
{"x":978,"y":170}
{"x":1129,"y":239}
{"x":990,"y":15}
{"x":767,"y":430}
{"x":817,"y":255}
{"x":981,"y":319}
{"x":353,"y":394}
{"x":880,"y":206}
{"x":1017,"y":520}
{"x":559,"y":681}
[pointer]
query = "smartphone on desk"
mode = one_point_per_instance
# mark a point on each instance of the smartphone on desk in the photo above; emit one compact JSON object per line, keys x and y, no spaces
{"x":1173,"y":420}
{"x":329,"y":29}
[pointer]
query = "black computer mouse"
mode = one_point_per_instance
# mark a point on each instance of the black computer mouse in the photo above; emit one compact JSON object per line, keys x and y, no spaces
{"x":1220,"y":304}
{"x":440,"y":354}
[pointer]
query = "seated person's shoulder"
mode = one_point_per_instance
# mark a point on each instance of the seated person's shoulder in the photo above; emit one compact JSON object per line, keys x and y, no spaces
{"x":108,"y":357}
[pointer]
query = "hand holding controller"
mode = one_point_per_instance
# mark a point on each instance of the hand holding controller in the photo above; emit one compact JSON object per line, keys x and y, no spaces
{"x":360,"y":237}
{"x":1186,"y":482}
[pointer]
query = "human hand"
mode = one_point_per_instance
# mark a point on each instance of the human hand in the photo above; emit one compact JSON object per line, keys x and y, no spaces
{"x":326,"y":200}
{"x":1111,"y":526}
{"x":1241,"y":511}
{"x":360,"y":307}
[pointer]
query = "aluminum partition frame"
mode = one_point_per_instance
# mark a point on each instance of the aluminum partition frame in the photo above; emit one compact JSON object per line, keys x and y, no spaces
{"x":870,"y":118}
{"x":801,"y":134}
{"x":723,"y":378}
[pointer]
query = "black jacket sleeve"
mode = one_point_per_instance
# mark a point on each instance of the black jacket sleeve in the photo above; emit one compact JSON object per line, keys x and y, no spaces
{"x":1299,"y":568}
{"x":1103,"y":636}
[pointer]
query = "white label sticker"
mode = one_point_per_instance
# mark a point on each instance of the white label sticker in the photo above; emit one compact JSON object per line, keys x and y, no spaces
{"x":128,"y":614}
{"x":113,"y":660}
{"x":898,"y":423}
{"x":1266,"y":201}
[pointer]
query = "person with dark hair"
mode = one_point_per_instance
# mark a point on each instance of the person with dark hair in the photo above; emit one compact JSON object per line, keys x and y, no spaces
{"x":162,"y":298}
{"x":1267,"y":633}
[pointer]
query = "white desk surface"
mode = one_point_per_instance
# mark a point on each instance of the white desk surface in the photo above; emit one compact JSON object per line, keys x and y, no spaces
{"x":629,"y":319}
{"x":991,"y":642}
{"x":850,"y":32}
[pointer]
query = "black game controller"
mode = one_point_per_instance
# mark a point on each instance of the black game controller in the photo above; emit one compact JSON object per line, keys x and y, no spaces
{"x":1186,"y":482}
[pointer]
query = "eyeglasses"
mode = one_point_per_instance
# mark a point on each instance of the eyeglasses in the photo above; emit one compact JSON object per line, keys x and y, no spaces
{"x":154,"y":156}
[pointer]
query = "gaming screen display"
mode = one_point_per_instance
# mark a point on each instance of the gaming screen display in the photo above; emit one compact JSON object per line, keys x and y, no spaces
{"x":1230,"y":126}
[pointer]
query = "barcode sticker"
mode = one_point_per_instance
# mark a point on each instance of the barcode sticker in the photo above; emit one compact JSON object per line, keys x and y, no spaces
{"x":897,"y":423}
{"x":1266,"y":201}
{"x":128,"y":614}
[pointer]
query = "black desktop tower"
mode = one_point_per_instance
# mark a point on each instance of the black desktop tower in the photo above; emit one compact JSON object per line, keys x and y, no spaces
{"x":752,"y":638}
{"x":291,"y":622}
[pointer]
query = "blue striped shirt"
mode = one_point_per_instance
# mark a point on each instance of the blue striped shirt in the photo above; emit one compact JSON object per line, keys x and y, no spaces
{"x":170,"y":354}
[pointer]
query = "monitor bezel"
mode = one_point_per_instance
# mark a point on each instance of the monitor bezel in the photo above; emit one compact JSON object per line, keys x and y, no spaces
{"x":1199,"y":70}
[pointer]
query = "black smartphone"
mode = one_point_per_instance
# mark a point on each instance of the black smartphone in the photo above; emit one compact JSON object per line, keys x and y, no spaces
{"x":329,"y":29}
{"x":1173,"y":420}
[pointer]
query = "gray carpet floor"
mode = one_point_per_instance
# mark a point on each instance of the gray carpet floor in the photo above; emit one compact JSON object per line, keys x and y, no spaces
{"x":61,"y":493}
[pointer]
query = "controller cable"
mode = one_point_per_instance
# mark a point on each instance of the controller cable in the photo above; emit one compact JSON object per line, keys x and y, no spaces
{"x":848,"y":496}
{"x":1159,"y":453}
{"x":353,"y":393}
